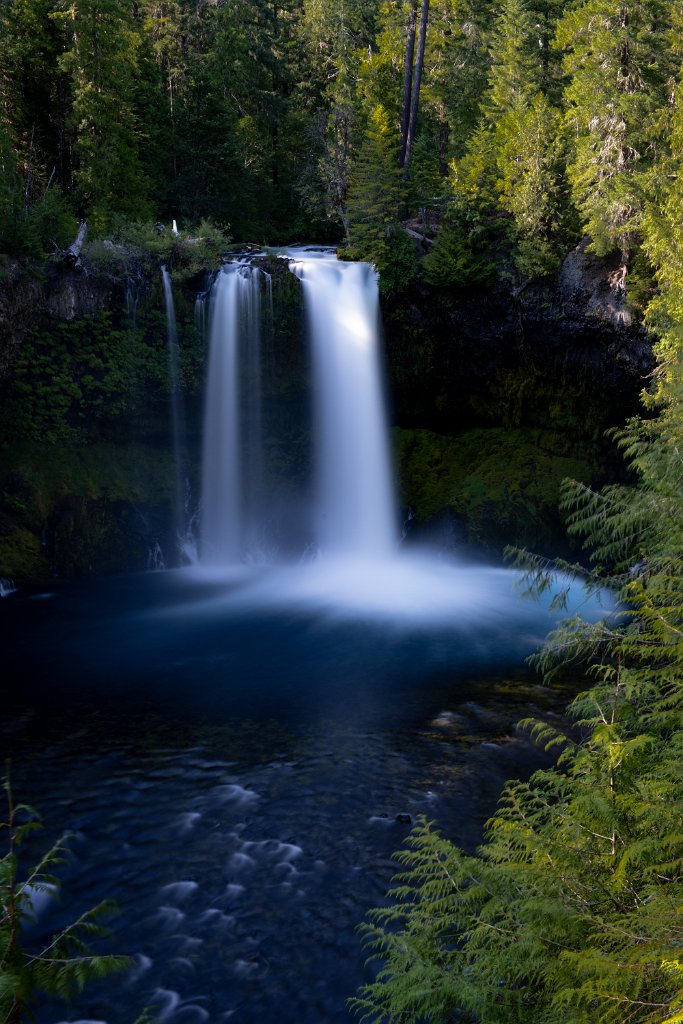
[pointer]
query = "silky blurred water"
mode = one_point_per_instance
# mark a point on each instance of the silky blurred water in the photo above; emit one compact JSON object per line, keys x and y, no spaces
{"x":237,"y":759}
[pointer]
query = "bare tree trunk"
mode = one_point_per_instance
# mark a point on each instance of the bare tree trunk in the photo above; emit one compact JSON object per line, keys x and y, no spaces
{"x":73,"y":253}
{"x":417,"y":78}
{"x":407,"y":76}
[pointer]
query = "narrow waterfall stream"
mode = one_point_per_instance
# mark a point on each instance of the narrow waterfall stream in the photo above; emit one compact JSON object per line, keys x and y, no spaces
{"x":176,"y":405}
{"x":232,"y":442}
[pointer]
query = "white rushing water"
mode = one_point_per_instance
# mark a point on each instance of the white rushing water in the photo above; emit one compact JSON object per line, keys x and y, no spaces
{"x":353,"y":503}
{"x":234,"y":328}
{"x":354,"y":508}
{"x":360,"y":568}
{"x":352,"y":513}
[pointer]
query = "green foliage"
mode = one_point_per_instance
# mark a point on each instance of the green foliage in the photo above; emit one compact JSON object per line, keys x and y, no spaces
{"x":67,"y":962}
{"x":135,"y":250}
{"x":101,"y":59}
{"x":571,"y":911}
{"x":30,"y":226}
{"x":82,"y":376}
{"x":460,"y":255}
{"x":96,"y":378}
{"x":530,"y":165}
{"x":499,"y":482}
{"x":375,"y":200}
{"x":619,"y":67}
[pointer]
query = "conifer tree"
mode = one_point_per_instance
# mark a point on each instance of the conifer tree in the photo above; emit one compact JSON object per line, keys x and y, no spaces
{"x":101,"y":55}
{"x":35,"y":93}
{"x":619,"y":66}
{"x":374,"y":207}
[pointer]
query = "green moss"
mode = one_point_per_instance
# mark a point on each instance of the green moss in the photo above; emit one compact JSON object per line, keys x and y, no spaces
{"x":136,"y":472}
{"x":502,"y":485}
{"x":82,"y":500}
{"x":21,"y":555}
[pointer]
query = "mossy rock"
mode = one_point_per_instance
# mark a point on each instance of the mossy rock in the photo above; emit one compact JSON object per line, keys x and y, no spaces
{"x":22,"y":557}
{"x":76,"y":509}
{"x":501,"y":485}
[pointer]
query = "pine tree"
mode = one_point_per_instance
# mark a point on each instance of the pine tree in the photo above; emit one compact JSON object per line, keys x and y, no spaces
{"x":620,"y":66}
{"x":101,"y":53}
{"x":374,"y":207}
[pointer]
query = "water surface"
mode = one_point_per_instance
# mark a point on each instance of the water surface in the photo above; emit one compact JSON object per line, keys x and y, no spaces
{"x":238,"y":757}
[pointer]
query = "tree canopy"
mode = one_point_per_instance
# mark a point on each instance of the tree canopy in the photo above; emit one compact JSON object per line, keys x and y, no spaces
{"x":521,"y":127}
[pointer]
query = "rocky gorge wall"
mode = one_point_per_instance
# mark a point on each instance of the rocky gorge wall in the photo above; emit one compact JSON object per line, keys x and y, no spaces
{"x":498,"y":396}
{"x":495,"y":397}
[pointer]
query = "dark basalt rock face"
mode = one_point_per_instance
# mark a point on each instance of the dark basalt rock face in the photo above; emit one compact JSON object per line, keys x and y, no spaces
{"x":20,"y":296}
{"x":481,"y":356}
{"x":31,"y":297}
{"x":499,"y":396}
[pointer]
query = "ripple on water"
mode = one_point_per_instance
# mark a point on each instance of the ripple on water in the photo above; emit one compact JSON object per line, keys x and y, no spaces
{"x":187,"y":821}
{"x":179,"y":891}
{"x":233,"y":794}
{"x":244,"y":869}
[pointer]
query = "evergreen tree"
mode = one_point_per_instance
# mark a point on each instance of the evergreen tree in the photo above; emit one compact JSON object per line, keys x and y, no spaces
{"x":35,"y":93}
{"x":619,"y":66}
{"x":101,"y":58}
{"x":530,"y":160}
{"x":375,"y":201}
{"x":515,"y":65}
{"x":160,"y":96}
{"x":527,"y":141}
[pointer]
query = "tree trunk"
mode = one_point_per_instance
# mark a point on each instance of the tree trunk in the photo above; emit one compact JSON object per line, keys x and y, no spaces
{"x":73,"y":253}
{"x":417,"y":78}
{"x":407,"y":76}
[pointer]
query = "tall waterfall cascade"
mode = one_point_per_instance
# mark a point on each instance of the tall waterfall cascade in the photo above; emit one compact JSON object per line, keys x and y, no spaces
{"x":351,"y":510}
{"x":297,"y":499}
{"x":354,"y":496}
{"x":231,"y":454}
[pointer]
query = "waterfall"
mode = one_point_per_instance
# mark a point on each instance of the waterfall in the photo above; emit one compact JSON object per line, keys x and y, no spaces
{"x":231,"y":465}
{"x":177,"y":416}
{"x":353,"y":504}
{"x":353,"y":510}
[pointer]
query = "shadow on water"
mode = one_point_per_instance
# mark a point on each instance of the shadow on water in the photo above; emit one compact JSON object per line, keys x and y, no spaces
{"x":238,"y":757}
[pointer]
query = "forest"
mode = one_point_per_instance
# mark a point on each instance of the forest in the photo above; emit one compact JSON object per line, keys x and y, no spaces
{"x":461,"y":145}
{"x":517,"y":128}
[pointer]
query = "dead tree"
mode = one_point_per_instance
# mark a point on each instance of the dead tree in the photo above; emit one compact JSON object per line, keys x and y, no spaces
{"x":417,"y":78}
{"x":407,"y":78}
{"x":73,"y":253}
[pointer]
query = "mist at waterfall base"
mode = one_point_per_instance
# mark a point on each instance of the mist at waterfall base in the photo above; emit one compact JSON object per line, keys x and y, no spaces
{"x":238,"y":747}
{"x":350,"y":561}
